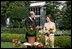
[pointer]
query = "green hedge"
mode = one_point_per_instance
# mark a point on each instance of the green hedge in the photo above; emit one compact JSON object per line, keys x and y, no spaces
{"x":63,"y":32}
{"x":7,"y":45}
{"x":7,"y":37}
{"x":22,"y":31}
{"x":13,"y":30}
{"x":63,"y":41}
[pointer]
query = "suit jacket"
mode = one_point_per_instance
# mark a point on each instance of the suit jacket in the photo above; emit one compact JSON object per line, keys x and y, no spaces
{"x":29,"y":22}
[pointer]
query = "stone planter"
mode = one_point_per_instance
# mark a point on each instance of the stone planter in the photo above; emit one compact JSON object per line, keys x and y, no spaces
{"x":31,"y":39}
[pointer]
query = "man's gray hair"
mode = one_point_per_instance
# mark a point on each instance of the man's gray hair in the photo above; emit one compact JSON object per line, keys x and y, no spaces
{"x":32,"y":12}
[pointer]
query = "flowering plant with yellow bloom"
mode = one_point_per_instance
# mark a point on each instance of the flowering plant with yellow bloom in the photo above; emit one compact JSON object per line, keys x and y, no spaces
{"x":49,"y":32}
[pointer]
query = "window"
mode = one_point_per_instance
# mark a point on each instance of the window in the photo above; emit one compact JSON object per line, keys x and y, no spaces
{"x":36,"y":10}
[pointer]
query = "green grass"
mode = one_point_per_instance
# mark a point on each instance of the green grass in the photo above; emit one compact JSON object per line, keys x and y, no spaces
{"x":6,"y":45}
{"x":10,"y":45}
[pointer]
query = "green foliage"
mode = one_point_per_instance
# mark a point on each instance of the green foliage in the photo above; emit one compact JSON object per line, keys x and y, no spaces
{"x":7,"y":45}
{"x":4,"y":7}
{"x":13,"y":30}
{"x":7,"y":34}
{"x":19,"y":10}
{"x":63,"y":41}
{"x":8,"y":37}
{"x":31,"y":32}
{"x":61,"y":16}
{"x":66,"y":19}
{"x":23,"y":31}
{"x":15,"y":10}
{"x":41,"y":39}
{"x":65,"y":32}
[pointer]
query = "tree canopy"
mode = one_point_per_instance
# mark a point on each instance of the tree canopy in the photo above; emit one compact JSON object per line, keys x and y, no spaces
{"x":18,"y":10}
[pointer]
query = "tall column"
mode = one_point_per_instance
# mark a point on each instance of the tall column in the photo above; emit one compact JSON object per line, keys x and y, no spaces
{"x":42,"y":16}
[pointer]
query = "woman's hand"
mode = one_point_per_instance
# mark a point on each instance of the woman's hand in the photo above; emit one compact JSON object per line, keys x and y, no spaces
{"x":47,"y":33}
{"x":51,"y":30}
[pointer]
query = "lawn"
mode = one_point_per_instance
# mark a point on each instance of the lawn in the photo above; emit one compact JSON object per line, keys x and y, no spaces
{"x":7,"y":45}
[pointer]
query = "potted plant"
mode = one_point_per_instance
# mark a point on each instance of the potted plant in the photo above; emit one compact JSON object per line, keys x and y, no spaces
{"x":32,"y":32}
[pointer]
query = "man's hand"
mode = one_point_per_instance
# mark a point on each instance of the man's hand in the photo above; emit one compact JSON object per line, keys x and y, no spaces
{"x":31,"y":28}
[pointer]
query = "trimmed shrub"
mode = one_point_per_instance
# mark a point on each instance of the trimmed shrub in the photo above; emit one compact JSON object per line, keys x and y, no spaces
{"x":60,"y":32}
{"x":63,"y":41}
{"x":13,"y":30}
{"x":7,"y":37}
{"x":23,"y":31}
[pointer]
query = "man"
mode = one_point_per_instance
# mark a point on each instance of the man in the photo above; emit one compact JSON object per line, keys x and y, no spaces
{"x":30,"y":22}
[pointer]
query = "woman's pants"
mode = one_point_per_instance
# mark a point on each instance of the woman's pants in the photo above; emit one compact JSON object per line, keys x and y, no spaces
{"x":49,"y":40}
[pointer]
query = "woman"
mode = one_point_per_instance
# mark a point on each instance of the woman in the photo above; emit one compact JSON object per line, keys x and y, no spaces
{"x":49,"y":29}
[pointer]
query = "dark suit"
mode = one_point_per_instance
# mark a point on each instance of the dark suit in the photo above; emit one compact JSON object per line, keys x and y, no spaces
{"x":29,"y":22}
